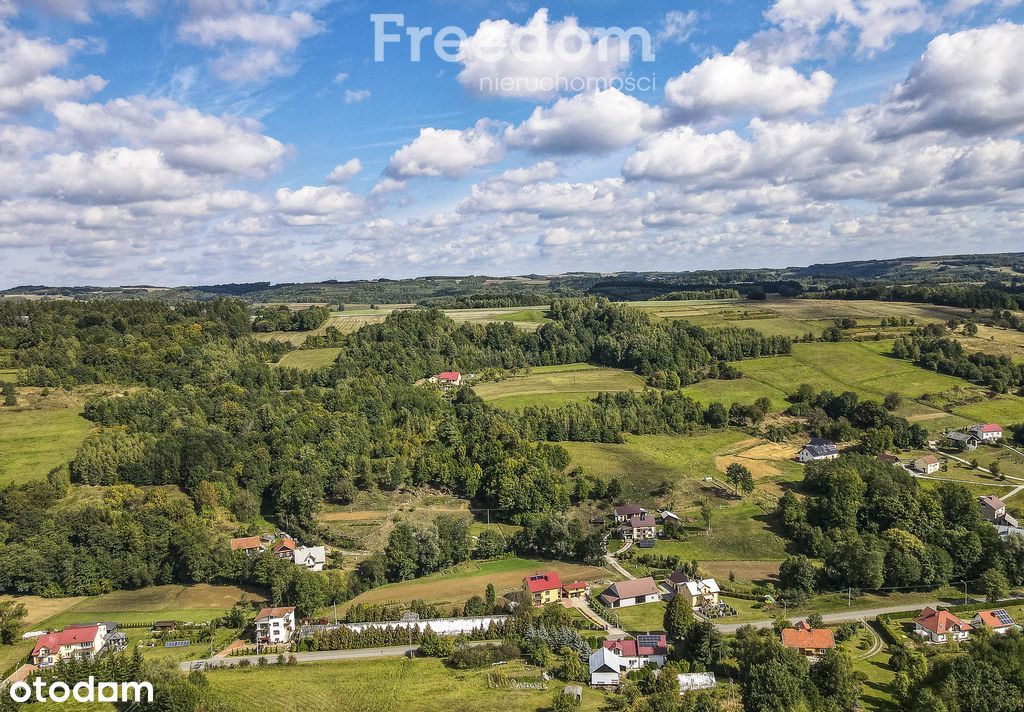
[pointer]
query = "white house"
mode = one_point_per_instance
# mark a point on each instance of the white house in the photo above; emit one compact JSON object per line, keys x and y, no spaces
{"x":639,"y":528}
{"x":622,"y":594}
{"x":605,"y":666}
{"x":998,"y":621}
{"x":698,"y":593}
{"x":818,"y":449}
{"x":941,"y":626}
{"x":988,"y":432}
{"x":636,"y":653}
{"x":927,"y":464}
{"x":76,"y":642}
{"x":275,"y":626}
{"x":312,"y":557}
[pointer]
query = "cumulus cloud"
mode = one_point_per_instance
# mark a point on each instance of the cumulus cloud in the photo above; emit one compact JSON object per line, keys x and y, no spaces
{"x":538,"y":60}
{"x":446,"y":152}
{"x":545,"y":170}
{"x":345,"y":172}
{"x":727,"y":85}
{"x":257,"y":40}
{"x":543,"y":199}
{"x":25,"y":78}
{"x":968,"y":82}
{"x":593,"y":123}
{"x":316,"y":205}
{"x":188,"y":138}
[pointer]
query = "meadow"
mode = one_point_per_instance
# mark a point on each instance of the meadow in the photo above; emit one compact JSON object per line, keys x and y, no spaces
{"x":382,"y":685}
{"x":34,"y":441}
{"x":456,"y":585}
{"x":309,"y":359}
{"x":557,"y":385}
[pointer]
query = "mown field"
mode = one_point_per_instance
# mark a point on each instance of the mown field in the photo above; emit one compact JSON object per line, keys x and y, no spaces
{"x":382,"y":685}
{"x":456,"y":585}
{"x":345,"y":322}
{"x":558,"y":385}
{"x":34,"y":441}
{"x":309,"y":359}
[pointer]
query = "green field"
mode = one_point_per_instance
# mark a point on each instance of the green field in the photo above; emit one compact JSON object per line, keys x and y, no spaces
{"x":740,"y":531}
{"x":456,"y":585}
{"x":645,"y":618}
{"x":309,"y":359}
{"x":558,"y":385}
{"x":33,"y":442}
{"x":382,"y":685}
{"x":738,"y":390}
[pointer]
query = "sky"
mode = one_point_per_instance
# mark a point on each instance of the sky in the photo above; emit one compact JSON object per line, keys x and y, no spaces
{"x":210,"y":141}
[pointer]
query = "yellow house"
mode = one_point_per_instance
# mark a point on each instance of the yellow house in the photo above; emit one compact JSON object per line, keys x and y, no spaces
{"x":543,"y":588}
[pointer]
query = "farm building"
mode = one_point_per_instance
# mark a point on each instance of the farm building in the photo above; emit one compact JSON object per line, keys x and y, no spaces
{"x":961,"y":440}
{"x":818,"y":449}
{"x":605,"y":667}
{"x":634,"y":592}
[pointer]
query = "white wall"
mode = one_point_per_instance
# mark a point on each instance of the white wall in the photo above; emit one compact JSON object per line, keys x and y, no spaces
{"x":444,"y":626}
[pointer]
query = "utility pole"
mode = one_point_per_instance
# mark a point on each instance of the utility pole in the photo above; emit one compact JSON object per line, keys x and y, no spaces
{"x":849,"y":597}
{"x":965,"y":592}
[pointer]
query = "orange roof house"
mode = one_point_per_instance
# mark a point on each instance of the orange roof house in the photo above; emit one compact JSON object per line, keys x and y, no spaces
{"x":809,"y":641}
{"x":941,"y":626}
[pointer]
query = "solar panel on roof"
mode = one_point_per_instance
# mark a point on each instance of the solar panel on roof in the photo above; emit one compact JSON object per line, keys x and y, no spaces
{"x":1003,"y":617}
{"x":648,"y":640}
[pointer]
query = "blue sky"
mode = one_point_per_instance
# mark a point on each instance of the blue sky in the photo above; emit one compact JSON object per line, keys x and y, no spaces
{"x":239,"y":140}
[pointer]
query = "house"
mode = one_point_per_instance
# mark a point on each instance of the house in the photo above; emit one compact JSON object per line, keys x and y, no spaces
{"x":576,"y":589}
{"x":543,"y":588}
{"x":818,"y":449}
{"x":940,"y":626}
{"x":927,"y":464}
{"x":997,"y":621}
{"x":812,"y":642}
{"x":638,"y":528}
{"x":312,"y":557}
{"x":164,"y":626}
{"x":992,"y":508}
{"x":699,"y":594}
{"x":115,"y":641}
{"x":248,"y":544}
{"x":605,"y":666}
{"x":285,"y":549}
{"x":275,"y":626}
{"x":962,"y":440}
{"x":888,"y":458}
{"x":637,"y":652}
{"x":447,"y":379}
{"x":690,"y":681}
{"x":76,"y":642}
{"x":631,"y":593}
{"x":626,"y":512}
{"x":988,"y":432}
{"x":667,"y":516}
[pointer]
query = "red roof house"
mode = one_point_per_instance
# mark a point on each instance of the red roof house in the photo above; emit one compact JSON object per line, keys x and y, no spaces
{"x":543,"y":588}
{"x":247,"y":543}
{"x":576,"y":589}
{"x":78,"y":641}
{"x":809,"y":641}
{"x":636,"y":653}
{"x":941,"y":626}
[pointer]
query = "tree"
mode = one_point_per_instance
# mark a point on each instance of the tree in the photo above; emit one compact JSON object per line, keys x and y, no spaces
{"x":706,"y":512}
{"x":798,"y":573}
{"x":490,"y":596}
{"x":678,"y":617}
{"x":12,"y":615}
{"x":10,"y":395}
{"x":892,"y":401}
{"x":815,"y":620}
{"x":994,"y":584}
{"x":565,"y":702}
{"x":490,"y":544}
{"x":836,"y":679}
{"x":740,"y":478}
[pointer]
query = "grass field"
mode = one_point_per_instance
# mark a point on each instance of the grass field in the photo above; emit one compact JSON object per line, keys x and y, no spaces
{"x":345,"y":322}
{"x":456,"y":585}
{"x":645,"y":618}
{"x":738,"y":390}
{"x":574,"y":382}
{"x":309,"y":359}
{"x":383,"y":685}
{"x":33,"y":442}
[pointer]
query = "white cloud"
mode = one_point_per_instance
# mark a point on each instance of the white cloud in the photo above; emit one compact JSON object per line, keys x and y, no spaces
{"x":729,"y":85}
{"x":682,"y":153}
{"x":345,"y":172}
{"x":187,"y":138}
{"x":545,"y":170}
{"x":595,"y":122}
{"x":969,"y":82}
{"x":446,"y":152}
{"x":355,"y":96}
{"x":25,"y":79}
{"x":388,"y":185}
{"x":677,"y":26}
{"x":546,"y":200}
{"x":315,"y":205}
{"x":538,"y":60}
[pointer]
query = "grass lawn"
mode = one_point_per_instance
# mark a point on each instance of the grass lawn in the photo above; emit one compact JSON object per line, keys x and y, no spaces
{"x":556,"y":387}
{"x":878,"y":675}
{"x":645,"y":618}
{"x":738,"y":532}
{"x":459,"y":583}
{"x":33,"y":442}
{"x":382,"y":685}
{"x":309,"y":359}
